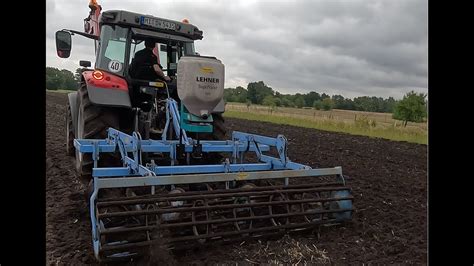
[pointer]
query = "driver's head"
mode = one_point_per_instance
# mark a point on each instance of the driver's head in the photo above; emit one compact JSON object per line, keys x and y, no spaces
{"x":149,"y":43}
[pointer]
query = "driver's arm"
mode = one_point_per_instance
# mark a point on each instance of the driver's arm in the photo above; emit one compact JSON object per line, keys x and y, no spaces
{"x":160,"y":72}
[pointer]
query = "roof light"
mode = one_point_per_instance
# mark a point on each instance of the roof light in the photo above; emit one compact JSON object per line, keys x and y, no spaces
{"x":185,"y":20}
{"x":93,"y":3}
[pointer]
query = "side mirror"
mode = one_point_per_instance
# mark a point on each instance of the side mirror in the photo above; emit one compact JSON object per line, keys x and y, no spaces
{"x":84,"y":63}
{"x":63,"y":43}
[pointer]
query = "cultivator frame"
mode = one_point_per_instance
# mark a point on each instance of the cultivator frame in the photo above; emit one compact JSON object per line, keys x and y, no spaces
{"x":332,"y":203}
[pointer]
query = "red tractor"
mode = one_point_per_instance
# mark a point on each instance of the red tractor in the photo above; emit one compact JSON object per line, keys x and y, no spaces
{"x":109,"y":96}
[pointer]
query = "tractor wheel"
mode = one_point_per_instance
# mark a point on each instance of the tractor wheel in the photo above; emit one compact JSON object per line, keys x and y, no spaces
{"x":219,"y":127}
{"x":92,"y":123}
{"x":70,"y":150}
{"x":218,"y":134}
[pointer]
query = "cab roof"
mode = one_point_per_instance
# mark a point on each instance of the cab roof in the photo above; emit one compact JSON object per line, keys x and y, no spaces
{"x":150,"y":23}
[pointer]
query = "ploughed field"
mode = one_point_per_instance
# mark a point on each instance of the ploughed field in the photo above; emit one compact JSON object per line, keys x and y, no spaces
{"x":388,"y":181}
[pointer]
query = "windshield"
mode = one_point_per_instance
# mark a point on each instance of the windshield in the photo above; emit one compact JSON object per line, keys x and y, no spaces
{"x":167,"y":51}
{"x":112,"y":49}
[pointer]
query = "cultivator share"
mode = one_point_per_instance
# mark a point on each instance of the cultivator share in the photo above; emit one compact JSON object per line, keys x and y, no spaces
{"x":155,"y":152}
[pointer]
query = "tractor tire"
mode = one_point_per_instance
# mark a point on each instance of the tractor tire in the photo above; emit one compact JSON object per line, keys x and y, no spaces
{"x":70,"y":150}
{"x":218,"y":134}
{"x":92,"y":123}
{"x":219,"y":127}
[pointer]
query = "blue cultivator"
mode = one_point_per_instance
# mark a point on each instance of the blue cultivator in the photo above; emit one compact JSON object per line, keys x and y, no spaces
{"x":177,"y":203}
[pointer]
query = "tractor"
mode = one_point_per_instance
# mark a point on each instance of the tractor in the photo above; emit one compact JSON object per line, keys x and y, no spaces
{"x":155,"y":155}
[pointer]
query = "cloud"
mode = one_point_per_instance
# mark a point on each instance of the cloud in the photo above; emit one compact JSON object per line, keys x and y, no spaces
{"x":352,"y":48}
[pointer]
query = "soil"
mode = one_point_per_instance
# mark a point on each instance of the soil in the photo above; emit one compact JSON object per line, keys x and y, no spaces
{"x":388,"y":180}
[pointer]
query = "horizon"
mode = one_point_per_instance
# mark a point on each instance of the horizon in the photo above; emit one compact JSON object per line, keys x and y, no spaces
{"x":320,"y":92}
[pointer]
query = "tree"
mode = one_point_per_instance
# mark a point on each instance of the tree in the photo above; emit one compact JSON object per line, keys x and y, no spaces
{"x":257,"y":91}
{"x":327,"y":104}
{"x":389,"y":105}
{"x":299,"y":102}
{"x":60,"y":79}
{"x":362,"y":103}
{"x":53,"y":79}
{"x":285,"y":101}
{"x":228,"y":94}
{"x":78,"y":74}
{"x":338,"y":101}
{"x":411,"y":108}
{"x":324,"y":96}
{"x":277,"y":101}
{"x":238,"y":94}
{"x":317,"y":104}
{"x":348,"y":104}
{"x":269,"y":101}
{"x":311,"y":97}
{"x":69,"y":82}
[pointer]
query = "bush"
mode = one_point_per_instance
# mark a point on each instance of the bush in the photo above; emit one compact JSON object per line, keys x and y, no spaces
{"x":327,"y":104}
{"x":364,"y":122}
{"x":317,"y":105}
{"x":269,"y":101}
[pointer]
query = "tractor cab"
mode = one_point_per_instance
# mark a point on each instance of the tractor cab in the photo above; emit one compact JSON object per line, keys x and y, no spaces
{"x":118,"y":43}
{"x":119,"y":35}
{"x":119,"y":40}
{"x":122,"y":35}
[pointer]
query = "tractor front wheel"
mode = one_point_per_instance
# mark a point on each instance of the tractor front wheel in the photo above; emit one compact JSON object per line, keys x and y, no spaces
{"x":69,"y":132}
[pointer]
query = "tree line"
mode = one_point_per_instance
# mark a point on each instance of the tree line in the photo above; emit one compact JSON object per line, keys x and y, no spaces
{"x":63,"y":79}
{"x":411,"y":108}
{"x":260,"y":93}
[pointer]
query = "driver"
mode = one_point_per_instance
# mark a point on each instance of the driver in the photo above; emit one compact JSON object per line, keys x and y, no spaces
{"x":145,"y":64}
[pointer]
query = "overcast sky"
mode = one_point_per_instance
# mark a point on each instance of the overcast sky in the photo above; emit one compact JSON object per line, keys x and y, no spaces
{"x":352,"y":48}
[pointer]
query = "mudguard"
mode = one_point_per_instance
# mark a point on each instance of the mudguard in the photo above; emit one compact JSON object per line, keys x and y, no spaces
{"x":110,"y":90}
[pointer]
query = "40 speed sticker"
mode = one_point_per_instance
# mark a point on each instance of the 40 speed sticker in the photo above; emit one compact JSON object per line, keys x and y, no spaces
{"x":115,"y":66}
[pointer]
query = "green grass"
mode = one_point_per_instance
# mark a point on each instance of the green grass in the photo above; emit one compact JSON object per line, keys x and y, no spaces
{"x":391,"y":133}
{"x":61,"y":91}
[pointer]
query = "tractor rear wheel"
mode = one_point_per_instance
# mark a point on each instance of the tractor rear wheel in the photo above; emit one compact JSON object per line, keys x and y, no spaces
{"x":219,"y":127}
{"x":219,"y":131}
{"x":69,"y":132}
{"x":92,"y":123}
